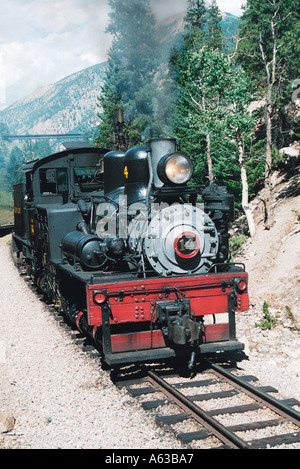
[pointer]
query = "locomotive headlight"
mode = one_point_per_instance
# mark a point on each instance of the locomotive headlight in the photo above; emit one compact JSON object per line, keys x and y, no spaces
{"x":176,"y":168}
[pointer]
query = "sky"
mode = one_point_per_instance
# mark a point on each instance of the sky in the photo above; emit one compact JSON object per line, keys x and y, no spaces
{"x":44,"y":41}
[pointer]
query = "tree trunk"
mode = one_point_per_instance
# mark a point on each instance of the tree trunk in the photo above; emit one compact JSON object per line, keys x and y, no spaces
{"x":245,"y":194}
{"x":209,"y":159}
{"x":271,"y":80}
{"x":269,"y":216}
{"x":268,"y":167}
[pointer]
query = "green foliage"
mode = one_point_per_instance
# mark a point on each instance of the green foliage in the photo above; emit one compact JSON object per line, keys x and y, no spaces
{"x":236,"y":243}
{"x":196,"y":14}
{"x":133,"y":62}
{"x":214,"y":100}
{"x":297,"y":213}
{"x":230,"y":25}
{"x":10,"y":173}
{"x":269,"y":52}
{"x":269,"y":320}
{"x":255,"y":30}
{"x":206,"y":92}
{"x":212,"y":117}
{"x":215,"y":35}
{"x":109,"y":103}
{"x":13,"y":166}
{"x":6,"y":208}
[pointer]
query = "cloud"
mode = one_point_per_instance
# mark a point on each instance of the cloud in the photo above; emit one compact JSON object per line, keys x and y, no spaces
{"x":231,"y":6}
{"x":165,"y":8}
{"x":43,"y":41}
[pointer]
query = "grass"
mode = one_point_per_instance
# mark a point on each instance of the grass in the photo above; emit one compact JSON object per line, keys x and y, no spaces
{"x":268,"y":321}
{"x":297,"y":213}
{"x":236,"y":244}
{"x":6,"y":208}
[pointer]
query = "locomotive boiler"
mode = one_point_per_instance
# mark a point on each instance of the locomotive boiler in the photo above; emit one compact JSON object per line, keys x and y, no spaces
{"x":131,"y":251}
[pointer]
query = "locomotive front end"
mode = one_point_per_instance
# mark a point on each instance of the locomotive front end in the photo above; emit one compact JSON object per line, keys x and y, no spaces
{"x":181,"y":293}
{"x":154,"y":319}
{"x":119,"y":242}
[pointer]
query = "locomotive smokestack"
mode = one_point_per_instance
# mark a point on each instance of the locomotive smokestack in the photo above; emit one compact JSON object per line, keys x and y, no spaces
{"x":119,"y":117}
{"x":159,"y":148}
{"x":119,"y":137}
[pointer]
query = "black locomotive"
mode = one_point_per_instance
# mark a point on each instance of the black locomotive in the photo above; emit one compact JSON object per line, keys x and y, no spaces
{"x":120,"y":243}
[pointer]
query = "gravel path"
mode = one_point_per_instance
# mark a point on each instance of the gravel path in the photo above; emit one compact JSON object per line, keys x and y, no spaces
{"x":61,"y":398}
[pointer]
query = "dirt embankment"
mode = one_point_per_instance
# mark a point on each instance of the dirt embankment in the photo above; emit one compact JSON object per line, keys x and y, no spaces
{"x":272,"y":257}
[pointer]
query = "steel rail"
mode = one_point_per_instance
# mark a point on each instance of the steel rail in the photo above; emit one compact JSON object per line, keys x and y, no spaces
{"x":257,"y":394}
{"x":216,"y":428}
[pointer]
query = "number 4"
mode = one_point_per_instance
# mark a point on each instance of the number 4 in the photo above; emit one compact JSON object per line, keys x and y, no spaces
{"x":126,"y":172}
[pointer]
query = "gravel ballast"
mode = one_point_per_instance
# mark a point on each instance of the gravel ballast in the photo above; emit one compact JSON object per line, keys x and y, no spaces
{"x":61,"y":398}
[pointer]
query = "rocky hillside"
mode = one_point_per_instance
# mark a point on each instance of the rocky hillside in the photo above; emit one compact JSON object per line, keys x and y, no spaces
{"x":272,"y":257}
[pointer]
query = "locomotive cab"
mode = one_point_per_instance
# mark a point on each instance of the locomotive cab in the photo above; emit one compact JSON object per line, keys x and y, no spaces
{"x":45,"y":205}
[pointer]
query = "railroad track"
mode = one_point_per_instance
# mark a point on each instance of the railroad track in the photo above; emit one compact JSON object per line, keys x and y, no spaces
{"x":198,"y":402}
{"x":210,"y":421}
{"x":6,"y":229}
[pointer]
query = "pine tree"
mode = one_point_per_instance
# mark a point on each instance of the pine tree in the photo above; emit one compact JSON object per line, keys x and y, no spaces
{"x":196,"y":14}
{"x":13,"y":166}
{"x":214,"y":125}
{"x":268,"y":40}
{"x":264,"y":22}
{"x":239,"y":127}
{"x":214,"y":35}
{"x":2,"y":159}
{"x":132,"y":65}
{"x":195,"y":23}
{"x":203,"y":79}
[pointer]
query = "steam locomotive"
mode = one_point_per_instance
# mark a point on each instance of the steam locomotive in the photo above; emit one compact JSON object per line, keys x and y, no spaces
{"x":120,"y":243}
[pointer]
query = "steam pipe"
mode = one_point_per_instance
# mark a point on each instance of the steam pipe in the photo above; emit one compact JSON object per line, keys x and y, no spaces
{"x":150,"y":176}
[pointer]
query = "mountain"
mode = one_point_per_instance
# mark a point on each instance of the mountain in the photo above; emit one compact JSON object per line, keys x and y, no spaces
{"x":70,"y":105}
{"x":170,"y":31}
